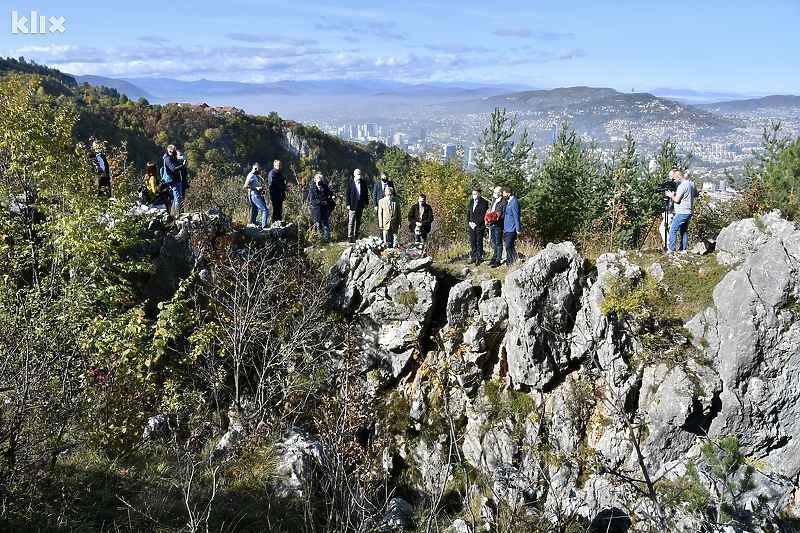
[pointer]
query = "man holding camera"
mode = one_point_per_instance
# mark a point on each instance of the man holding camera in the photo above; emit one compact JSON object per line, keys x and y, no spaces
{"x":175,"y":168}
{"x":683,"y":199}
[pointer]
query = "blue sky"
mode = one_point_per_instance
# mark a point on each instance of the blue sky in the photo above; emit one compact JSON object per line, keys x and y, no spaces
{"x":737,"y":46}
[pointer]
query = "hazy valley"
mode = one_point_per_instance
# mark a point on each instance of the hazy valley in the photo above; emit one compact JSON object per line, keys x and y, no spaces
{"x":720,"y":130}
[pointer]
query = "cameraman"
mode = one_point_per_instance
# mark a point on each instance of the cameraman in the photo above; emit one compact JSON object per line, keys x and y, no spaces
{"x":683,"y":199}
{"x":175,"y":169}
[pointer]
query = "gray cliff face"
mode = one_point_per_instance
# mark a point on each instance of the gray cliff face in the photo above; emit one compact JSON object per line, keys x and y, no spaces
{"x":542,"y":297}
{"x":542,"y":337}
{"x":391,"y":308}
{"x":753,"y":336}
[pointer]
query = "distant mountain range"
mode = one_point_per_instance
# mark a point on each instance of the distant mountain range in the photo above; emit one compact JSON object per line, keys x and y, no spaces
{"x":443,"y":109}
{"x":166,"y":89}
{"x":257,"y":97}
{"x":754,"y":104}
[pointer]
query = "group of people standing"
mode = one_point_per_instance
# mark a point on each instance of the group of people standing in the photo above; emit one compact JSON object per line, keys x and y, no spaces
{"x":167,"y":187}
{"x":502,"y":217}
{"x":387,"y":208}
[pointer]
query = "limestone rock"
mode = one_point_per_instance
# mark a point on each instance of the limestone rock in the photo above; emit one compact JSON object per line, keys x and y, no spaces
{"x":543,"y":297}
{"x":677,"y":404}
{"x":752,"y":334}
{"x":462,"y":302}
{"x":299,"y":459}
{"x":396,"y":517}
{"x":391,"y":307}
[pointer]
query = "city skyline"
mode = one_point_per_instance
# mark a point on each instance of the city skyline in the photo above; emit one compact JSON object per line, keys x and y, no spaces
{"x":738,"y":47}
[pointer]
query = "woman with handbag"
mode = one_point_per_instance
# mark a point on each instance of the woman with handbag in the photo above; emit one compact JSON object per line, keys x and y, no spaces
{"x":322,"y":203}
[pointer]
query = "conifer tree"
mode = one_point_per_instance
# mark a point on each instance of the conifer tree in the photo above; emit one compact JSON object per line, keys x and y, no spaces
{"x":569,"y":196}
{"x":504,"y":156}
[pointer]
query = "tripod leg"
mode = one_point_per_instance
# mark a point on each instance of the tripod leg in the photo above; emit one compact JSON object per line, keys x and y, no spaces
{"x":647,"y":233}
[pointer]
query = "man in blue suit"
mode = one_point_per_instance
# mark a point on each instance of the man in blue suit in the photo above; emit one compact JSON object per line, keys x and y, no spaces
{"x":511,"y":224}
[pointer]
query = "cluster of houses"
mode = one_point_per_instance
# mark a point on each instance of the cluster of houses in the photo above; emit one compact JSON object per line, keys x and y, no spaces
{"x":204,"y":107}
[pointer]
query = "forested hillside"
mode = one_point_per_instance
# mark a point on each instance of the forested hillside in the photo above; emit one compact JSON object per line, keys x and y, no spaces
{"x":228,"y":143}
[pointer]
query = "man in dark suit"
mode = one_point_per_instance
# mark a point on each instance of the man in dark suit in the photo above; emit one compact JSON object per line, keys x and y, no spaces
{"x":477,"y":225}
{"x":496,"y":227}
{"x":420,"y":219}
{"x":277,"y":190}
{"x":379,"y":189}
{"x":356,"y":197}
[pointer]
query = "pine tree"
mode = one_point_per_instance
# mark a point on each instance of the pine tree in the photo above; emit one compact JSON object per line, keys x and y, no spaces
{"x":502,"y":160}
{"x":569,"y":197}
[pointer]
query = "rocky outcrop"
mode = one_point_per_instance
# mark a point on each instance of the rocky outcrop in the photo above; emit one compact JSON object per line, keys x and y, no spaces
{"x":579,"y":379}
{"x":391,"y":306}
{"x":299,"y":464}
{"x":752,"y":334}
{"x":176,"y":246}
{"x":295,"y":144}
{"x":537,"y":395}
{"x":542,"y":297}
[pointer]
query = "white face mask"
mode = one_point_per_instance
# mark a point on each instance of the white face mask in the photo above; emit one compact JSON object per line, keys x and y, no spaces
{"x":474,"y":196}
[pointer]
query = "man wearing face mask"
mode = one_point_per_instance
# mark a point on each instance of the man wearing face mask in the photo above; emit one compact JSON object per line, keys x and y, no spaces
{"x":476,"y":211}
{"x":379,"y":192}
{"x":419,"y":219}
{"x":389,"y":217}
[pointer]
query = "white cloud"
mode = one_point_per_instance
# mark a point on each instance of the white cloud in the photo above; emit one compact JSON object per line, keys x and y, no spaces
{"x":267,"y":38}
{"x":513,"y":32}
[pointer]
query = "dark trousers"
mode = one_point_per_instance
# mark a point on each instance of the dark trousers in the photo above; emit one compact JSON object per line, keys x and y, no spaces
{"x":277,"y":210}
{"x":354,"y":224}
{"x":324,"y":224}
{"x":511,"y":253}
{"x":476,"y":244}
{"x":496,"y":234}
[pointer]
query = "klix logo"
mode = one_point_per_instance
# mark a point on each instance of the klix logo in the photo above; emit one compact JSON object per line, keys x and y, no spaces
{"x":36,"y":24}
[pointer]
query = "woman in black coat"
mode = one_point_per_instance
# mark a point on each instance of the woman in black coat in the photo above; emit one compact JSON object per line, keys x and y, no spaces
{"x":322,"y":204}
{"x":419,"y":219}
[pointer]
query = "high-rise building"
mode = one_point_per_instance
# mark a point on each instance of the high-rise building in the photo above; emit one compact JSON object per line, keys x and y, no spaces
{"x":448,"y":151}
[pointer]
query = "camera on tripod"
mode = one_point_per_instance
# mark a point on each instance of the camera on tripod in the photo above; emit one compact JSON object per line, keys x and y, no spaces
{"x":665,"y":186}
